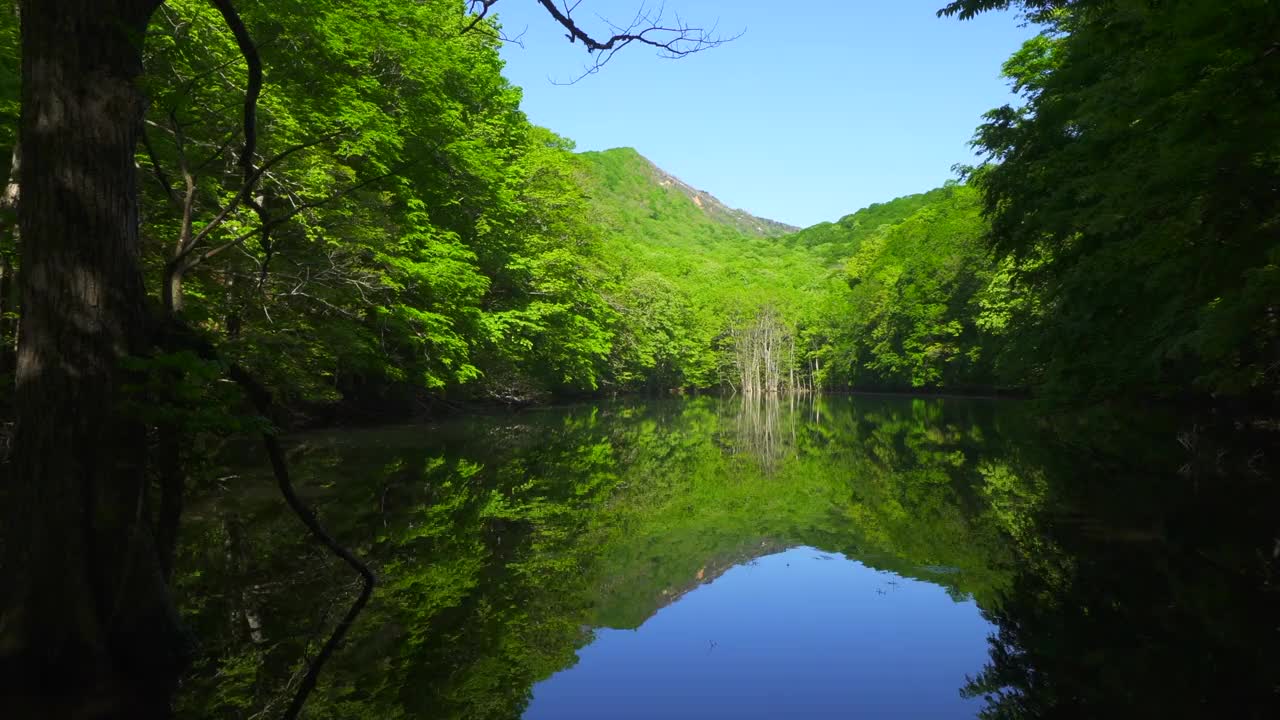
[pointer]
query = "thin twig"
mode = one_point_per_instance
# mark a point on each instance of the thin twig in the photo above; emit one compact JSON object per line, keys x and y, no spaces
{"x":675,"y":40}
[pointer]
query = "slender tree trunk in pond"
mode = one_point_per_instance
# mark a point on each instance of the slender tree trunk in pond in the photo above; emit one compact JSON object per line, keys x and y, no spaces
{"x":6,"y":306}
{"x":246,"y":622}
{"x":8,"y":279}
{"x":87,"y":629}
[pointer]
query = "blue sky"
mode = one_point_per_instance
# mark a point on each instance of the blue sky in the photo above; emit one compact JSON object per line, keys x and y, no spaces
{"x":819,"y":109}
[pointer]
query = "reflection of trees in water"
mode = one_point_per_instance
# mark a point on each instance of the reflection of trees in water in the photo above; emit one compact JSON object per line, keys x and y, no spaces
{"x":768,"y":428}
{"x":1146,"y":587}
{"x":761,"y":432}
{"x":498,"y":541}
{"x":501,"y":542}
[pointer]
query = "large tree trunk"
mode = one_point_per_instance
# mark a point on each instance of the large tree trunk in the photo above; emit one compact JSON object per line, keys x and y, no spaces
{"x":87,"y":629}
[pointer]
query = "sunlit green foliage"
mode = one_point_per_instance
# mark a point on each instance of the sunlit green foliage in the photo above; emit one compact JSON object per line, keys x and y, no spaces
{"x":687,"y":274}
{"x":1134,"y":191}
{"x":429,"y":243}
{"x":426,"y":235}
{"x":426,"y":239}
{"x":923,"y":307}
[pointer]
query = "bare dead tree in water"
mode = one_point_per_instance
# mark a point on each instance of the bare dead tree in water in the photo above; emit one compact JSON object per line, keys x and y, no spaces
{"x":764,"y":358}
{"x":8,"y":250}
{"x":766,"y":355}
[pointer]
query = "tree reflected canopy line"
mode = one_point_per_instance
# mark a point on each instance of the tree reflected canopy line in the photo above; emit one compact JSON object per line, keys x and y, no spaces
{"x":1108,"y":560}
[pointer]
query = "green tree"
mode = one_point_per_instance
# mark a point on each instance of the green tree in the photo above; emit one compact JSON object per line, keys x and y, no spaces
{"x":920,"y":309}
{"x":1133,"y":192}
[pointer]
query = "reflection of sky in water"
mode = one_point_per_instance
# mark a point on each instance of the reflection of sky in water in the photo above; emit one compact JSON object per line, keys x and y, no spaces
{"x":800,"y":634}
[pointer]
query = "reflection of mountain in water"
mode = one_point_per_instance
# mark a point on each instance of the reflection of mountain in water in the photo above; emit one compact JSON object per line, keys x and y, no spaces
{"x":499,"y":539}
{"x":711,"y":569}
{"x":800,"y":633}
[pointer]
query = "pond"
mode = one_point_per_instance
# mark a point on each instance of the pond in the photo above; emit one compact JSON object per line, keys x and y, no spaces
{"x":714,"y":558}
{"x":801,"y":633}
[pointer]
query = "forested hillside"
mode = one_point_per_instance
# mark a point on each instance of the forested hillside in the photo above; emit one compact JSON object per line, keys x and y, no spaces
{"x":836,"y":241}
{"x":921,"y":306}
{"x":639,"y":191}
{"x":413,"y":239}
{"x":421,"y":241}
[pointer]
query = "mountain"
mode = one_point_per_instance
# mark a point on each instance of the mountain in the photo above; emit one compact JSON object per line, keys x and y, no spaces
{"x":630,"y":183}
{"x":681,"y":265}
{"x":718,"y":211}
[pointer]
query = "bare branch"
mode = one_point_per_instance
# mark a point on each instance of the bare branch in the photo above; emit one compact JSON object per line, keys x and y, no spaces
{"x":302,"y":207}
{"x":672,"y":40}
{"x":158,"y":170}
{"x":187,"y":261}
{"x":188,"y":202}
{"x":297,"y":292}
{"x":247,"y":189}
{"x":254,"y":86}
{"x":252,"y":90}
{"x":517,"y":40}
{"x":217,"y":152}
{"x":480,"y":11}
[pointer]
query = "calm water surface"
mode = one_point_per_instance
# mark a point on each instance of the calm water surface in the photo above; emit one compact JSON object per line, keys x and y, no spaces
{"x":710,"y":558}
{"x":798,"y":633}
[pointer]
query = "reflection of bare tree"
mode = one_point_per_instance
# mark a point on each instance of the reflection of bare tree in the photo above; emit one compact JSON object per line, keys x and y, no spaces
{"x":764,"y":427}
{"x":242,"y":606}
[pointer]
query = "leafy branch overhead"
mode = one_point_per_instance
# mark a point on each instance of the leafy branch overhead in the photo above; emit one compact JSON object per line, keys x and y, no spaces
{"x":1038,"y":10}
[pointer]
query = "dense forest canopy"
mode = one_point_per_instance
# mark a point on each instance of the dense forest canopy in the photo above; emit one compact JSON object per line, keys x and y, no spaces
{"x":1135,"y":194}
{"x":423,"y":236}
{"x":343,"y":203}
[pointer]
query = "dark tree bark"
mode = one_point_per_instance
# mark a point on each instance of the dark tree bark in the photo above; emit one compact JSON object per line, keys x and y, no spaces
{"x":87,"y":628}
